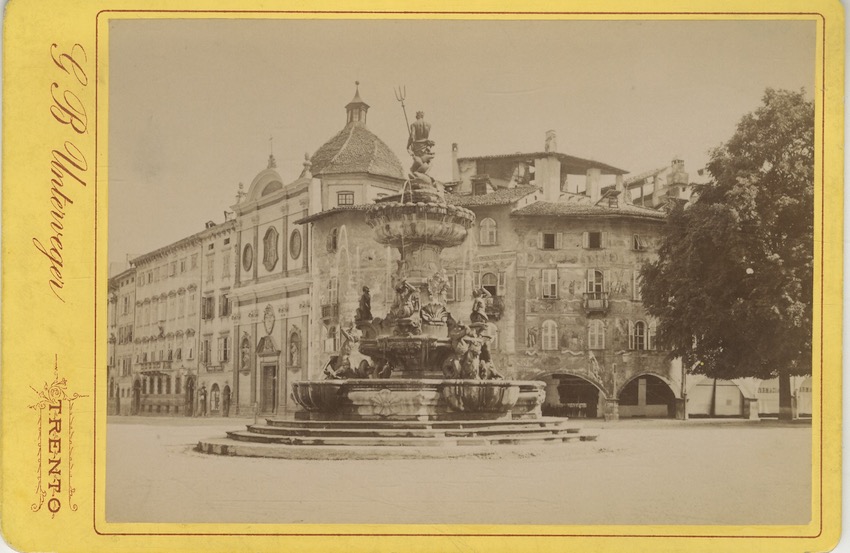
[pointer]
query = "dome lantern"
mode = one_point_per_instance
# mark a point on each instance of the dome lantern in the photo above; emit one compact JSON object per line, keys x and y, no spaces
{"x":356,"y":109}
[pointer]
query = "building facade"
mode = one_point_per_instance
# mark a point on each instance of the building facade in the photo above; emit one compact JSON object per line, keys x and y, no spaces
{"x":224,"y":321}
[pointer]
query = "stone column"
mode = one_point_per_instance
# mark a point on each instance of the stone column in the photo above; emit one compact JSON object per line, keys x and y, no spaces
{"x":612,"y":409}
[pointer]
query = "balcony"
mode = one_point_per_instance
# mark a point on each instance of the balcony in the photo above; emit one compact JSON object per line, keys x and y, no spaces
{"x":330,"y":311}
{"x":595,"y":302}
{"x":153,"y":368}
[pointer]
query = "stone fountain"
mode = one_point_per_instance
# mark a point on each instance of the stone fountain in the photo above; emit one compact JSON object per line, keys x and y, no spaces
{"x":423,"y":377}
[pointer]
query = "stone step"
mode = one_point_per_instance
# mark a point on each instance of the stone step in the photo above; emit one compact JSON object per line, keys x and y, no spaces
{"x":229,"y":447}
{"x":544,"y":421}
{"x":411,"y":432}
{"x":360,"y":441}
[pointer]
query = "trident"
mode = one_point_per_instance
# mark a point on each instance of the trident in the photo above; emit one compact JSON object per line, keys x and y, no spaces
{"x":400,"y":93}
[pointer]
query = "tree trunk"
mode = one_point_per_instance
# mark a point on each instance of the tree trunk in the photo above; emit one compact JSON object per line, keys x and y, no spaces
{"x":785,"y":411}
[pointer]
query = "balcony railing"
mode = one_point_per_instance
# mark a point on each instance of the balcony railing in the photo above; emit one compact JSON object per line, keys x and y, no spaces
{"x":152,"y":367}
{"x":595,"y":302}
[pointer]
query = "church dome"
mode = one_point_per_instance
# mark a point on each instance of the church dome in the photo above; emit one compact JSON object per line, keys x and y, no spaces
{"x":355,"y":149}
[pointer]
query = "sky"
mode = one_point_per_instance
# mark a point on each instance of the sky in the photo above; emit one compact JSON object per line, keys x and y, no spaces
{"x":193,"y":103}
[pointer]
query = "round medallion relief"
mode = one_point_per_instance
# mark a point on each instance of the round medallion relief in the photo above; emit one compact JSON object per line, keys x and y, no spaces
{"x":247,"y":257}
{"x":295,"y":244}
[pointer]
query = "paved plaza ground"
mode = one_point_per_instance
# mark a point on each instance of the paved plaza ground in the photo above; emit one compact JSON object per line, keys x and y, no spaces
{"x":637,"y":472}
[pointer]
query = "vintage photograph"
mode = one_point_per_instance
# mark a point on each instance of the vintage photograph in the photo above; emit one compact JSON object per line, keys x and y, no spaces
{"x":458,"y":271}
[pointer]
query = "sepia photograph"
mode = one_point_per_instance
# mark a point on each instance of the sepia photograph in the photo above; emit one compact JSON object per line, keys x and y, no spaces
{"x":447,"y":271}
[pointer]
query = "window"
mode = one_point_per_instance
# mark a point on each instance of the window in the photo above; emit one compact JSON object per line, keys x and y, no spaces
{"x":195,"y":261}
{"x":192,"y":304}
{"x":125,"y":308}
{"x":206,"y":356}
{"x":345,"y":198}
{"x":333,"y":291}
{"x":637,"y":336}
{"x":637,"y":282}
{"x":211,"y":246}
{"x":150,"y":277}
{"x":224,"y":349}
{"x":168,"y":385}
{"x":181,"y":306}
{"x":490,"y":282}
{"x":550,"y":283}
{"x":596,"y":334}
{"x":226,"y":241}
{"x":638,"y":243}
{"x":177,"y":385}
{"x":172,"y":311}
{"x":451,"y":287}
{"x":183,"y":265}
{"x":330,"y":339}
{"x":210,"y":268}
{"x":172,"y":269}
{"x":225,"y":265}
{"x":595,"y":282}
{"x":487,"y":232}
{"x":224,"y":306}
{"x":548,"y":241}
{"x":333,"y":240}
{"x":208,"y":307}
{"x":593,"y":240}
{"x":549,"y":335}
{"x":479,"y":188}
{"x":179,"y":354}
{"x":641,"y":335}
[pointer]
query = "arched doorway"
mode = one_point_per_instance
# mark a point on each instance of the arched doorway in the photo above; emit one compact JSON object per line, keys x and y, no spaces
{"x":647,"y":396}
{"x":215,"y":399}
{"x":189,"y":408}
{"x":137,"y":398}
{"x":571,"y":396}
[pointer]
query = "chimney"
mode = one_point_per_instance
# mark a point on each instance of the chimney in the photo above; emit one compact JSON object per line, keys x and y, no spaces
{"x":551,"y":141}
{"x":620,"y":186}
{"x":455,"y":168}
{"x":593,"y":184}
{"x":547,"y":175}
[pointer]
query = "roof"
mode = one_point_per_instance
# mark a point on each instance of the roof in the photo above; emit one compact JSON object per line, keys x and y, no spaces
{"x":327,"y":212}
{"x":644,"y":175}
{"x":552,"y":209}
{"x":574,"y":165}
{"x":190,"y":240}
{"x":355,"y":149}
{"x":503,"y":196}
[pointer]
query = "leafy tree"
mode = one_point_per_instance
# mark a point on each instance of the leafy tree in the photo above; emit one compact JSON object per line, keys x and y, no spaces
{"x":732,"y":285}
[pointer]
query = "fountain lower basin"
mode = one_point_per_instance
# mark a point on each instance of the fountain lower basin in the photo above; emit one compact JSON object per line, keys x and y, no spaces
{"x":417,"y":399}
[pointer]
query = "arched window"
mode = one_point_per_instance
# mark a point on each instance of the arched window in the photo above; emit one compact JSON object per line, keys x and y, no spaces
{"x":595,"y":334}
{"x":490,"y":282}
{"x":549,"y":336}
{"x":638,"y":335}
{"x":487,"y":232}
{"x":595,"y":282}
{"x":168,"y":385}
